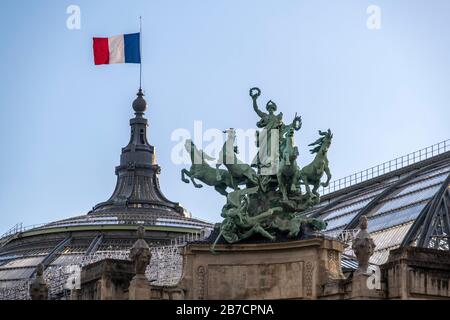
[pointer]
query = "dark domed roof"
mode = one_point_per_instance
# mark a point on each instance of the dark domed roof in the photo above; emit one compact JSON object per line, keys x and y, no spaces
{"x":108,"y":230}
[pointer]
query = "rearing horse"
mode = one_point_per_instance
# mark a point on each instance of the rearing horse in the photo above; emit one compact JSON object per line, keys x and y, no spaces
{"x":202,"y":171}
{"x":288,"y":171}
{"x":313,"y":172}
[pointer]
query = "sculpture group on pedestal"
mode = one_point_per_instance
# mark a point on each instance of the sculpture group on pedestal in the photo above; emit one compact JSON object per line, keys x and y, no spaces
{"x":266,"y":197}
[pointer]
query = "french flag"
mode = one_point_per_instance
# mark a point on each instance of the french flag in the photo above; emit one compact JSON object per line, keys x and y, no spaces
{"x":124,"y":48}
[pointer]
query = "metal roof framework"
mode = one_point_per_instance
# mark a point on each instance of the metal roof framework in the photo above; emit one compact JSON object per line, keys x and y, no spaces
{"x":405,"y":207}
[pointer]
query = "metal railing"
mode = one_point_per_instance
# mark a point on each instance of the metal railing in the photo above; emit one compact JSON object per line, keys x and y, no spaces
{"x":345,"y":236}
{"x":18,"y":228}
{"x":387,"y":167}
{"x":189,"y":237}
{"x":15,"y":229}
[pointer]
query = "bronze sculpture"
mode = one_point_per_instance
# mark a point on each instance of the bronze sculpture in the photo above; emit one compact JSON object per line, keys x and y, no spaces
{"x":241,"y":173}
{"x":271,"y":201}
{"x":218,"y":178}
{"x":288,"y":171}
{"x":313,"y":172}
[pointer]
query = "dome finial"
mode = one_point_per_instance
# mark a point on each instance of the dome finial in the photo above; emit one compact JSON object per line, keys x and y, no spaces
{"x":139,"y":104}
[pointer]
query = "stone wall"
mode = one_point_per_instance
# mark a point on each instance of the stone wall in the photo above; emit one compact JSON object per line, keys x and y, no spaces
{"x":285,"y":270}
{"x":107,"y":279}
{"x":304,"y":269}
{"x":417,"y":273}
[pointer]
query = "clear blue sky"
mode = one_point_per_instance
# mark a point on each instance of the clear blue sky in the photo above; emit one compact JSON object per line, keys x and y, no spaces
{"x":63,"y":120}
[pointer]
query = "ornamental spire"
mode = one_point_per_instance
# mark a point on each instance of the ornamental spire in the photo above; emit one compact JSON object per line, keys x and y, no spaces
{"x":137,"y":184}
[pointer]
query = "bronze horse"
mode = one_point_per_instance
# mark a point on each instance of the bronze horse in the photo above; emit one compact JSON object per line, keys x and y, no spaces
{"x":313,"y":172}
{"x":288,"y":170}
{"x":241,"y":173}
{"x":218,"y":178}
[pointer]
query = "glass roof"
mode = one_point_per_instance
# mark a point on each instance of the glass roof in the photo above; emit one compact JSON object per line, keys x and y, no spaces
{"x":391,"y":216}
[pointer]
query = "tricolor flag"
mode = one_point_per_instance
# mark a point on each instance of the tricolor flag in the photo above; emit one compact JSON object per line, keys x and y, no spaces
{"x":124,"y":48}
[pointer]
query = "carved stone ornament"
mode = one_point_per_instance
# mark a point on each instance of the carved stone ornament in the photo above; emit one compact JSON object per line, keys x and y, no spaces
{"x":363,"y":246}
{"x":140,"y":253}
{"x":39,"y":288}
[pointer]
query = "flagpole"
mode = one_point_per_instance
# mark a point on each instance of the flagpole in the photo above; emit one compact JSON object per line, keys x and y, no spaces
{"x":140,"y":53}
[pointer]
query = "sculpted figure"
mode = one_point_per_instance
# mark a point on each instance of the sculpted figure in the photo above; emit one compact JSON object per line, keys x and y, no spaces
{"x":363,"y":246}
{"x":39,"y":288}
{"x":285,"y":130}
{"x":293,"y":223}
{"x":238,"y":224}
{"x":241,"y":173}
{"x":288,"y":172}
{"x":269,"y":138}
{"x":140,"y":253}
{"x":268,"y":120}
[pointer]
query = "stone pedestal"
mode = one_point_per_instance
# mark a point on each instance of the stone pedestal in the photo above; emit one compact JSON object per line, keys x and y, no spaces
{"x":284,"y":270}
{"x":166,"y":293}
{"x":361,"y":290}
{"x":139,"y":288}
{"x":38,"y":288}
{"x":38,"y":291}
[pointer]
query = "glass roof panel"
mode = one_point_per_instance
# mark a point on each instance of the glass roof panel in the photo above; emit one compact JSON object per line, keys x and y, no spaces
{"x":26,"y":262}
{"x":338,"y":222}
{"x":66,"y":259}
{"x":395,"y":217}
{"x":391,"y":237}
{"x":409,"y":199}
{"x":380,"y":257}
{"x":344,"y":210}
{"x":23,"y":273}
{"x":421,"y":184}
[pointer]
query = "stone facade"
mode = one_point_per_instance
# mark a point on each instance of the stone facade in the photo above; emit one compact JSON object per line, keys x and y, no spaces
{"x":417,"y":273}
{"x":285,"y":270}
{"x":304,"y":269}
{"x":107,"y":279}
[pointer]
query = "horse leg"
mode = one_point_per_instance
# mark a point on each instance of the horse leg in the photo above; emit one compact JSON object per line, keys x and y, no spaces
{"x":305,"y":181}
{"x":233,"y":183}
{"x":211,"y":249}
{"x":314,"y":190}
{"x":197,"y":185}
{"x":183,"y":177}
{"x":295,"y":186}
{"x":221,"y":189}
{"x":282,"y":186}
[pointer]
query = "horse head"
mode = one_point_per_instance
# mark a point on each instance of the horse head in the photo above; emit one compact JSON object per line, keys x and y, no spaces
{"x":323,"y":143}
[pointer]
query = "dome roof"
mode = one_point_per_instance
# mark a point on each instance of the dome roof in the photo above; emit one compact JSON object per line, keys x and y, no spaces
{"x":108,"y":230}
